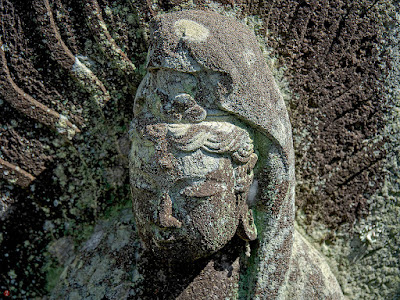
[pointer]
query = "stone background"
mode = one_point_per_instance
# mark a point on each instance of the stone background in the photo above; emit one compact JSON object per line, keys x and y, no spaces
{"x":336,"y":62}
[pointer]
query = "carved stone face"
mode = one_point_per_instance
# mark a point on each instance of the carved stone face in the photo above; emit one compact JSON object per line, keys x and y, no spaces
{"x":186,"y":198}
{"x":191,"y":167}
{"x":190,"y":184}
{"x":189,"y":208}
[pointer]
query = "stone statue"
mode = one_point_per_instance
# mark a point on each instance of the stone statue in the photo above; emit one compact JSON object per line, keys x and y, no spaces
{"x":212,"y":168}
{"x":212,"y":179}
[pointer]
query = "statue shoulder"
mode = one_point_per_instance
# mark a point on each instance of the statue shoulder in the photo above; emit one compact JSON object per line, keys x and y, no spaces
{"x":310,"y":276}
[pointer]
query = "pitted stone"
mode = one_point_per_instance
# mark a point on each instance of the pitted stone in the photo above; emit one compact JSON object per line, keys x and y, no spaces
{"x":210,"y":136}
{"x":210,"y":129}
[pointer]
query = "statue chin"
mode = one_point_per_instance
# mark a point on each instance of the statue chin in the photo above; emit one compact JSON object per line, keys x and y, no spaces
{"x":195,"y":239}
{"x":167,"y":247}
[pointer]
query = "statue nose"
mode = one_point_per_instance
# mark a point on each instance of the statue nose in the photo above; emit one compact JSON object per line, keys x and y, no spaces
{"x":165,"y":217}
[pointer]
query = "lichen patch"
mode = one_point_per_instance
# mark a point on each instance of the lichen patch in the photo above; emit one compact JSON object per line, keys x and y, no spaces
{"x":190,"y":30}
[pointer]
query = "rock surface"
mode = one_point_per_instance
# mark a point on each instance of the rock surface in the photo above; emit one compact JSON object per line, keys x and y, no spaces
{"x":108,"y":265}
{"x":335,"y":50}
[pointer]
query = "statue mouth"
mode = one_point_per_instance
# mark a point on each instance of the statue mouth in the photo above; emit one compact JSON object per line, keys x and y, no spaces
{"x":162,"y":237}
{"x":161,"y":243}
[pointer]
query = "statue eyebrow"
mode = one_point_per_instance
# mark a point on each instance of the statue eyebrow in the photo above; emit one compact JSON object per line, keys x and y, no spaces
{"x":152,"y":69}
{"x":203,"y":189}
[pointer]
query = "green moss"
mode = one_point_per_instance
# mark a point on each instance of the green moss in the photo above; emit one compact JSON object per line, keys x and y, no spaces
{"x":52,"y":275}
{"x":115,"y":210}
{"x":53,"y":271}
{"x":82,"y":235}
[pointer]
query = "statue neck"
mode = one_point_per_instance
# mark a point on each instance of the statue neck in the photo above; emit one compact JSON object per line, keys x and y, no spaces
{"x":217,"y":275}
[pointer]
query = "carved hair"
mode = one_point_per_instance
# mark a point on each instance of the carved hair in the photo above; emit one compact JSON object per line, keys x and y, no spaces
{"x":213,"y":137}
{"x":219,"y":138}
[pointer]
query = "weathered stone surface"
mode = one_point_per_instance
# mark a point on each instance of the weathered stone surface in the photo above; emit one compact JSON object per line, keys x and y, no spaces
{"x":309,"y":274}
{"x":206,"y":111}
{"x":316,"y":51}
{"x":54,"y":186}
{"x":105,"y":263}
{"x":334,"y":64}
{"x":125,"y":271}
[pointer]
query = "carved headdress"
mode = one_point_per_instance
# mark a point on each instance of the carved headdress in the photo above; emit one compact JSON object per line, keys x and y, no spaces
{"x":249,"y":92}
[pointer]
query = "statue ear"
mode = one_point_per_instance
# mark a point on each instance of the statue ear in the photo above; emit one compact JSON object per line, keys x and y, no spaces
{"x":246,"y":229}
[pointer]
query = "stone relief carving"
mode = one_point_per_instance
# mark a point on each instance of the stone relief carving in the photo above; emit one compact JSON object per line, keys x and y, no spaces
{"x":212,"y":179}
{"x":211,"y":146}
{"x":193,"y":181}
